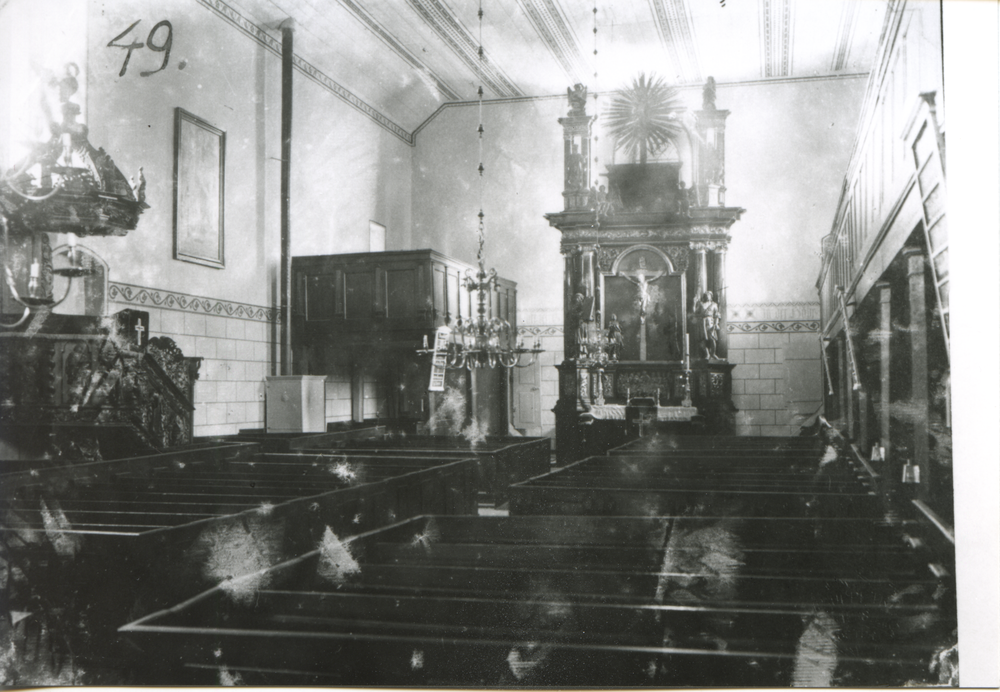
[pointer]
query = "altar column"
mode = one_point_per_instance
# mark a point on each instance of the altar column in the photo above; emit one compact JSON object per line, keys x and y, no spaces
{"x":700,"y":271}
{"x":719,"y":283}
{"x":587,"y":271}
{"x":569,"y":330}
{"x":919,"y":395}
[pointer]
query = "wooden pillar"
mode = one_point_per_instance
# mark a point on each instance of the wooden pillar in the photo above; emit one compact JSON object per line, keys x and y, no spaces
{"x":719,"y":288}
{"x":885,"y":338}
{"x":569,"y":329}
{"x":846,"y":392}
{"x":863,"y":434}
{"x":358,"y":393}
{"x":919,"y":395}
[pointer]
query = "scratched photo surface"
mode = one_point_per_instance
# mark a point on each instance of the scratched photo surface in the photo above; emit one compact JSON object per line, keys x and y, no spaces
{"x":482,"y":344}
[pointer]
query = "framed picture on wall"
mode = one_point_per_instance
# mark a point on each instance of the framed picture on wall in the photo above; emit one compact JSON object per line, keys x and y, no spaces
{"x":199,"y":190}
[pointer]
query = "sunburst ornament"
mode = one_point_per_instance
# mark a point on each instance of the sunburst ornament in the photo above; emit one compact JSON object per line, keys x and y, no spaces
{"x":643,"y":117}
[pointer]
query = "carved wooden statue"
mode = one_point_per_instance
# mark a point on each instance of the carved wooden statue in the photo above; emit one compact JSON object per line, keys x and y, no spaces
{"x":577,"y":99}
{"x":707,"y":319}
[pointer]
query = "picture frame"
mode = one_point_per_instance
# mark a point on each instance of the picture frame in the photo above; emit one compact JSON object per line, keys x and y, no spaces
{"x":199,"y":191}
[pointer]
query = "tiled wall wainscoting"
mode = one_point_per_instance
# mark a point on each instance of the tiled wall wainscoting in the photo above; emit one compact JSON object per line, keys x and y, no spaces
{"x":234,"y":340}
{"x":777,"y":381}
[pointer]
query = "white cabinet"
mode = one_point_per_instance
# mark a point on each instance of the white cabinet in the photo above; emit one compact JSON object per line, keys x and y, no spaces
{"x":296,"y":403}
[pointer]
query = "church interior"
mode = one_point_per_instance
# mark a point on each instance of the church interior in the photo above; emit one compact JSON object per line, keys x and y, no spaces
{"x":478,"y":343}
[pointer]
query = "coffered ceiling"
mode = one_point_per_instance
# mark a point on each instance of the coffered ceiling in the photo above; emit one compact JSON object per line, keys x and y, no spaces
{"x":405,"y":58}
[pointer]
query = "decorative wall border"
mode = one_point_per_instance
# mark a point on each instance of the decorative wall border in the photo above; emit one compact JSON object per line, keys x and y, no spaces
{"x":540,"y":330}
{"x":311,"y":71}
{"x":775,"y":327}
{"x":182,"y":302}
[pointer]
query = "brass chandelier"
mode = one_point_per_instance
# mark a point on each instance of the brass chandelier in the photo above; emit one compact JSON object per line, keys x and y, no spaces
{"x":481,"y":341}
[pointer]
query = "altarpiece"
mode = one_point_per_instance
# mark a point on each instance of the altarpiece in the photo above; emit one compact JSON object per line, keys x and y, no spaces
{"x":644,"y":283}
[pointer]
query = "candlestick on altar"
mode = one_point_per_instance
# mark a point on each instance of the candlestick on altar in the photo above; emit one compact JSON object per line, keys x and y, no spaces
{"x":628,"y":395}
{"x":657,"y":396}
{"x":425,"y":341}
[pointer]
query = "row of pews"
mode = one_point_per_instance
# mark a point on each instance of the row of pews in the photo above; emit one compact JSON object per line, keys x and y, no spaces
{"x":684,"y":561}
{"x":92,"y":546}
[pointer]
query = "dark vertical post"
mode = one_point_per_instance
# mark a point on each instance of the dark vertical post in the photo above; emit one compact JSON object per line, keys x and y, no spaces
{"x":885,"y":335}
{"x":919,"y":396}
{"x":286,"y":174}
{"x":358,"y":393}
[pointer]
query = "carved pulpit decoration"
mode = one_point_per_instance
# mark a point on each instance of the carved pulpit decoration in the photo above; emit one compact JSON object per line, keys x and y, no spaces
{"x":645,"y":253}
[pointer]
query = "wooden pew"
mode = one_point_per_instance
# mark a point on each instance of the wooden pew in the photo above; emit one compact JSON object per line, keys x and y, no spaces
{"x":654,"y":485}
{"x":666,"y":443}
{"x":538,"y":601}
{"x":135,"y":535}
{"x":284,"y":442}
{"x":502,"y":460}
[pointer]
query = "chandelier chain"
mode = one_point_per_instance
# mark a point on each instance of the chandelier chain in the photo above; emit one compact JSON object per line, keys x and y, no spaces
{"x":480,"y":131}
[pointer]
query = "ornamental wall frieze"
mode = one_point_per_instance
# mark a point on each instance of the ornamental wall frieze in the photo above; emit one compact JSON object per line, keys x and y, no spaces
{"x":578,"y":235}
{"x":798,"y":327}
{"x":139,"y":296}
{"x":540,"y":330}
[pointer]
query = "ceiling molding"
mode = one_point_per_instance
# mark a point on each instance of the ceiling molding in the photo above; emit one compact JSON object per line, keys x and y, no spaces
{"x":776,"y":38}
{"x":439,"y":18}
{"x":677,"y":36}
{"x":549,"y":23}
{"x":719,"y":85}
{"x":388,"y":39}
{"x":258,"y":34}
{"x":845,"y":35}
{"x":457,"y":104}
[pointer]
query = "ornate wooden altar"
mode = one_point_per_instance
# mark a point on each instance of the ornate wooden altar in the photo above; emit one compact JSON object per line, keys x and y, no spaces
{"x":640,"y":258}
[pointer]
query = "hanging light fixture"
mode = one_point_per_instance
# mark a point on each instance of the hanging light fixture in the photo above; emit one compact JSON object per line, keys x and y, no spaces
{"x":63,"y":185}
{"x":481,"y":341}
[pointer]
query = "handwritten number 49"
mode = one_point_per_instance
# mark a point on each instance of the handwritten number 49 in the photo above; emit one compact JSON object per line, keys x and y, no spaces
{"x":162,"y":48}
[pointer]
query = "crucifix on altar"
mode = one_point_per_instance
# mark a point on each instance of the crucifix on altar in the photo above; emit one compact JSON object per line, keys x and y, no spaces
{"x":646,"y":295}
{"x":133,"y":326}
